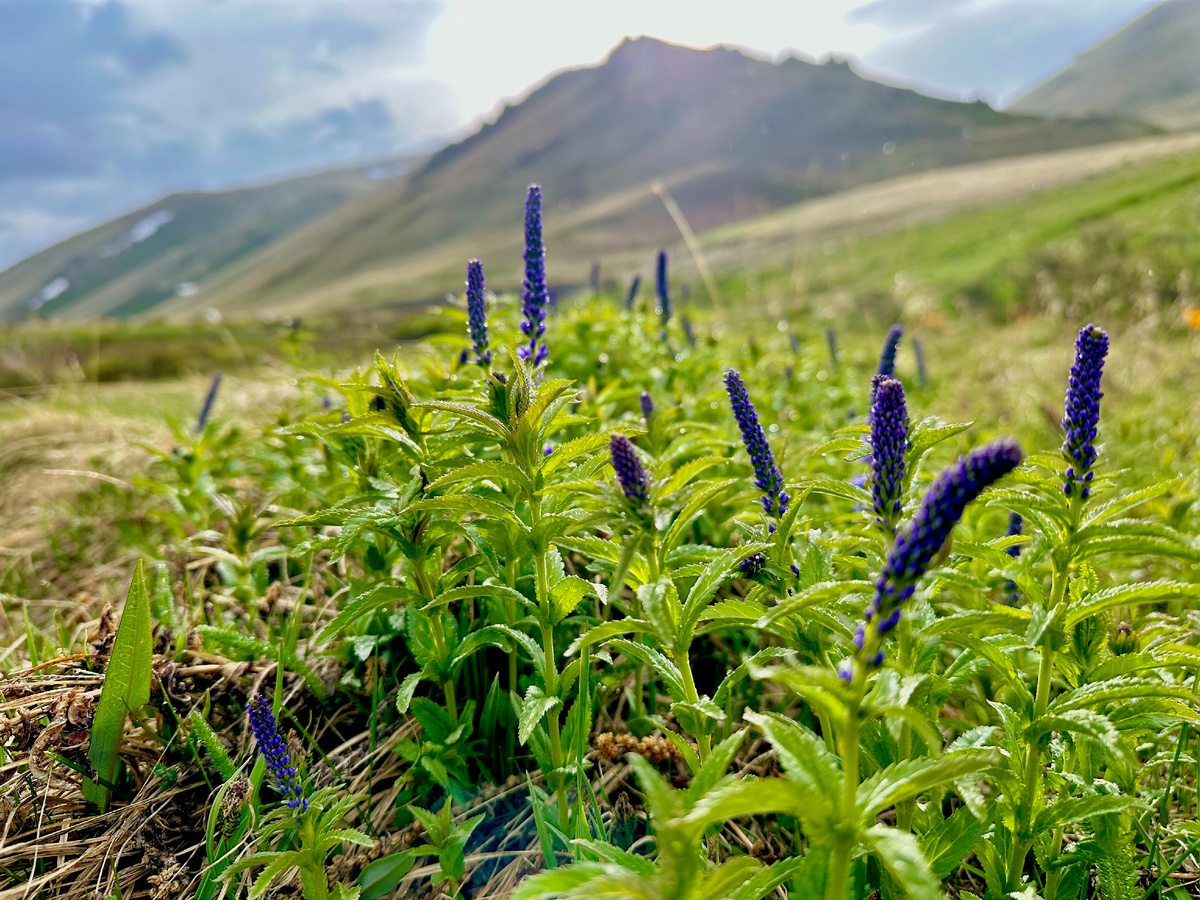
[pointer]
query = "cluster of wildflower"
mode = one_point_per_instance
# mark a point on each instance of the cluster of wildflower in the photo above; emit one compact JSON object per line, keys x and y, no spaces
{"x":274,"y":750}
{"x":536,"y":297}
{"x":940,"y":510}
{"x":477,"y":313}
{"x":922,"y":372}
{"x":767,"y":476}
{"x":631,"y":474}
{"x":1082,"y":413}
{"x":889,"y":442}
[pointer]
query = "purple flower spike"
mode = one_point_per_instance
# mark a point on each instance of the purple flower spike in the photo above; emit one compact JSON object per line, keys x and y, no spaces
{"x":1082,"y":413}
{"x":536,"y":297}
{"x":688,"y":331}
{"x":631,"y":474}
{"x":922,"y":372}
{"x":477,"y":312}
{"x":941,"y":508}
{"x":1015,"y":525}
{"x":274,"y":750}
{"x":767,"y":476}
{"x":209,"y":399}
{"x":647,"y":403}
{"x":889,"y":441}
{"x":887,"y":359}
{"x":663,"y":288}
{"x":751,"y":566}
{"x":633,"y":291}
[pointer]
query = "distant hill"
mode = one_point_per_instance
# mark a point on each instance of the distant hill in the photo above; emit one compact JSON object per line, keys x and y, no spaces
{"x":145,"y":258}
{"x":1149,"y":69}
{"x":732,"y":136}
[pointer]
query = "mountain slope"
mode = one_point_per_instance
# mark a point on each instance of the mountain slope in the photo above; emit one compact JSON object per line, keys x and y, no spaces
{"x":732,"y":137}
{"x":143,"y":259}
{"x":1148,"y":70}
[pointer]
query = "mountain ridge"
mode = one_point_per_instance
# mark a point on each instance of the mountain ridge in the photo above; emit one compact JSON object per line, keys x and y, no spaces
{"x":1147,"y":70}
{"x":733,"y":136}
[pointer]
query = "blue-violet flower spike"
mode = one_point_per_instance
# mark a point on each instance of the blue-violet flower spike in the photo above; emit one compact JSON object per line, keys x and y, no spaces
{"x":647,"y":403}
{"x":767,"y":476}
{"x":274,"y":750}
{"x":477,"y":312}
{"x":889,"y":441}
{"x":633,"y":291}
{"x":752,"y":565}
{"x":1082,"y":413}
{"x":209,"y":399}
{"x":536,"y":297}
{"x":631,"y":474}
{"x":1015,"y":525}
{"x":940,"y":509}
{"x":887,"y":359}
{"x":664,"y":293}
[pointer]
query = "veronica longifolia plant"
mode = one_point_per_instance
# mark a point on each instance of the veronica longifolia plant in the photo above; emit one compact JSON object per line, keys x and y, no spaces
{"x":767,"y":476}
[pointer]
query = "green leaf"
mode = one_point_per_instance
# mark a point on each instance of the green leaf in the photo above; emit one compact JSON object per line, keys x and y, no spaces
{"x":949,"y":842}
{"x":1077,"y":809}
{"x":532,"y":710}
{"x":807,"y":761}
{"x":379,"y":597}
{"x":912,"y":777}
{"x":902,"y":857}
{"x":1130,"y":595}
{"x":566,"y":595}
{"x":126,"y":688}
{"x":405,"y":694}
{"x":697,"y":501}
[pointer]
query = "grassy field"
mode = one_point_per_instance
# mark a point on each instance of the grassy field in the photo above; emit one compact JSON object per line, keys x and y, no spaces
{"x":476,"y":636}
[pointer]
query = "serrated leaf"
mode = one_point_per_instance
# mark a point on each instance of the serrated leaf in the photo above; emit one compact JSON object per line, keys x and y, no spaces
{"x":532,"y":710}
{"x":949,"y":842}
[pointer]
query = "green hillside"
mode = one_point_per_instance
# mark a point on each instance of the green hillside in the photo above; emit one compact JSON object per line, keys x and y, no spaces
{"x":144,"y":258}
{"x":732,"y":136}
{"x":1148,"y":69}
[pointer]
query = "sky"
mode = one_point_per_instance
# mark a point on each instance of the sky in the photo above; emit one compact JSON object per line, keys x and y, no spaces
{"x":107,"y":104}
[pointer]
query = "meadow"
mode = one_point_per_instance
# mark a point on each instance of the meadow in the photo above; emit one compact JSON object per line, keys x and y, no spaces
{"x":666,"y":600}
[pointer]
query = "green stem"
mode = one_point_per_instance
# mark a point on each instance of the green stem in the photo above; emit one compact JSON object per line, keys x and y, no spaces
{"x":683,"y":663}
{"x":844,"y":841}
{"x":552,"y":719}
{"x":655,"y":571}
{"x":313,"y":879}
{"x":439,"y":637}
{"x":905,"y":808}
{"x":510,"y":577}
{"x":1022,"y":836}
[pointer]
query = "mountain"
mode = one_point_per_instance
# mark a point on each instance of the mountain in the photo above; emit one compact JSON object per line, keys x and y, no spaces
{"x":137,"y":262}
{"x":1147,"y":69}
{"x":730,"y":135}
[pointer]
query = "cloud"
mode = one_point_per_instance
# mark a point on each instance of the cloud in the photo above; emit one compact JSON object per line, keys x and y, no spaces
{"x":995,"y":49}
{"x":122,"y":100}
